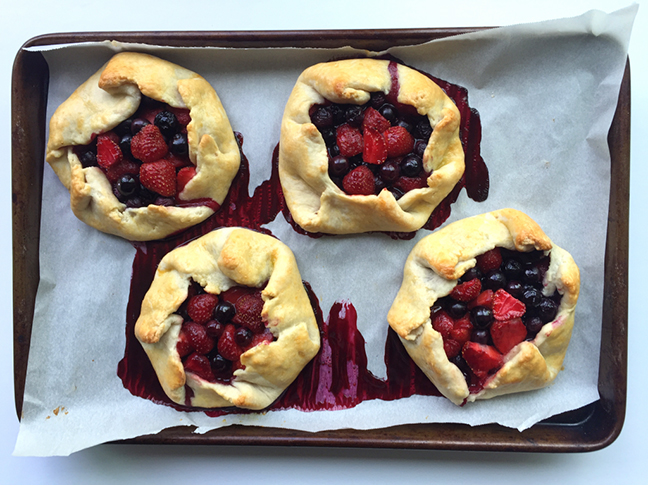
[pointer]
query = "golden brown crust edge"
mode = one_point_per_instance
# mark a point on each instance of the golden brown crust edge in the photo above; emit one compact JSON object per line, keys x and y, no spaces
{"x":217,"y":261}
{"x":112,"y":95}
{"x":314,"y":200}
{"x":431,"y":272}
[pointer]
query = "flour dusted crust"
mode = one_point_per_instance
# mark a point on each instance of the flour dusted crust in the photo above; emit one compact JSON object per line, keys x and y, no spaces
{"x":218,"y":261}
{"x":111,"y":96}
{"x":315,"y":202}
{"x":431,"y":272}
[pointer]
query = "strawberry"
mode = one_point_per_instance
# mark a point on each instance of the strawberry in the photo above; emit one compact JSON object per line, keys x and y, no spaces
{"x":183,"y":346}
{"x":199,"y":365}
{"x":159,"y":176}
{"x":108,"y":152}
{"x":201,"y":307}
{"x":178,"y":161}
{"x":266,"y":337}
{"x":467,"y":291}
{"x":182,"y":114}
{"x":227,"y":346}
{"x":374,"y":151}
{"x":349,"y":140}
{"x":399,"y":141}
{"x":406,"y":184}
{"x":248,"y":312}
{"x":508,"y":334}
{"x":197,"y":336}
{"x":148,"y":145}
{"x":360,"y":181}
{"x":485,"y":299}
{"x":374,"y":120}
{"x":120,"y":169}
{"x":443,"y":324}
{"x":481,"y":358}
{"x":184,"y":176}
{"x":462,"y":329}
{"x":451,"y":348}
{"x":491,"y":260}
{"x":506,"y":307}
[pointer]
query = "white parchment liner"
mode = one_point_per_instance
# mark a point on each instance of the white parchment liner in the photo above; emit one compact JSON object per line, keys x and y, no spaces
{"x":546,"y":93}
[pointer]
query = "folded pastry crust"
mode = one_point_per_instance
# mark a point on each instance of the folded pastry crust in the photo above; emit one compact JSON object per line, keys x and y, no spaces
{"x":218,"y":261}
{"x":111,"y":96}
{"x":315,"y":202}
{"x":431,"y":272}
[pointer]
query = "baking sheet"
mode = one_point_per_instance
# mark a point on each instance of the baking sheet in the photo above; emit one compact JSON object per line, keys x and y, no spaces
{"x":532,"y":122}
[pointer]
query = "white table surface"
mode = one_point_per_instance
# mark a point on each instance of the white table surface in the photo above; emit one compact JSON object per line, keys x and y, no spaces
{"x":624,"y":461}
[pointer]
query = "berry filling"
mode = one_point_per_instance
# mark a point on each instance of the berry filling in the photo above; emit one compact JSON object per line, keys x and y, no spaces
{"x":146,"y":157}
{"x":218,"y":329}
{"x":495,"y":306}
{"x":374,"y":146}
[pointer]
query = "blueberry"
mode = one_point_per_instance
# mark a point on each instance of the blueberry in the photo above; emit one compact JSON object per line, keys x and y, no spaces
{"x":533,"y":325}
{"x":88,"y":158}
{"x":138,"y":124}
{"x":532,"y":275}
{"x":389,"y":112}
{"x":377,"y":99}
{"x":127,"y":185}
{"x":322,"y":117}
{"x":514,"y":288}
{"x":164,"y":201}
{"x":338,"y":166}
{"x":379,"y":184}
{"x":214,"y":328}
{"x":494,"y":280}
{"x":167,"y":123}
{"x":480,"y":336}
{"x":328,"y":134}
{"x":179,"y":145}
{"x":243,"y":336}
{"x":547,"y":309}
{"x":512,"y":268}
{"x":419,"y":148}
{"x":224,"y":312}
{"x":406,"y":125}
{"x":481,"y":317}
{"x":219,"y":364}
{"x":334,"y":150}
{"x":389,"y":171}
{"x":457,"y":309}
{"x":531,"y":296}
{"x":423,"y":129}
{"x":354,"y":115}
{"x":150,"y":102}
{"x":125,"y":145}
{"x":396,"y":192}
{"x":339,"y":115}
{"x":123,"y":128}
{"x":470,"y":274}
{"x":411,"y":166}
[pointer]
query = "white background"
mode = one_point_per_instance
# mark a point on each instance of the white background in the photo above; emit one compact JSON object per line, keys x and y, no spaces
{"x":622,"y":462}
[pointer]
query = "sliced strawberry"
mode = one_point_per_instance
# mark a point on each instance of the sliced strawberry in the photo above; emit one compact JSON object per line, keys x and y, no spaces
{"x":349,"y":140}
{"x":183,"y":346}
{"x":197,"y":336}
{"x":120,"y":169}
{"x":467,"y":291}
{"x":462,"y":329}
{"x":199,"y":365}
{"x":508,"y":334}
{"x":374,"y":151}
{"x":248,"y":312}
{"x":481,"y":358}
{"x":160,"y":177}
{"x":407,"y":184}
{"x":178,"y":161}
{"x":491,"y":260}
{"x":108,"y":152}
{"x":227,"y":346}
{"x":451,"y":348}
{"x":399,"y":141}
{"x":183,"y":177}
{"x":443,"y":324}
{"x":374,"y":120}
{"x":359,"y":182}
{"x":506,"y":307}
{"x":201,"y":307}
{"x":148,"y":145}
{"x":485,"y":299}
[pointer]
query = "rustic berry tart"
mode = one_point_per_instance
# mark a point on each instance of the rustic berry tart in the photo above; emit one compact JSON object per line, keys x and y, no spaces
{"x":227,"y":321}
{"x":144,"y":147}
{"x":487,"y":305}
{"x":367,"y":145}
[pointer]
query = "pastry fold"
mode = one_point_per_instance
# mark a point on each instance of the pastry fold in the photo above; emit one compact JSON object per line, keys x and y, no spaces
{"x":111,"y":96}
{"x":431,"y":272}
{"x":217,"y":261}
{"x":316,"y":203}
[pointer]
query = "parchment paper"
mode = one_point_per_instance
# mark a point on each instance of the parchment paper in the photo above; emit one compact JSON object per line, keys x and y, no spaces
{"x":546,"y":93}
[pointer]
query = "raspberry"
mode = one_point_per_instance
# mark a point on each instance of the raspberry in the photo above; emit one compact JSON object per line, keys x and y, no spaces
{"x":467,"y":291}
{"x":359,"y":181}
{"x":374,"y":151}
{"x":184,"y":176}
{"x":198,"y":338}
{"x":508,"y":334}
{"x":248,"y":312}
{"x":443,"y":324}
{"x":108,"y":152}
{"x":201,"y":307}
{"x":199,"y":365}
{"x":148,"y":145}
{"x":160,"y":177}
{"x":349,"y":140}
{"x":399,"y":141}
{"x":227,"y":346}
{"x":491,"y":260}
{"x":120,"y":169}
{"x":374,"y":120}
{"x":506,"y":307}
